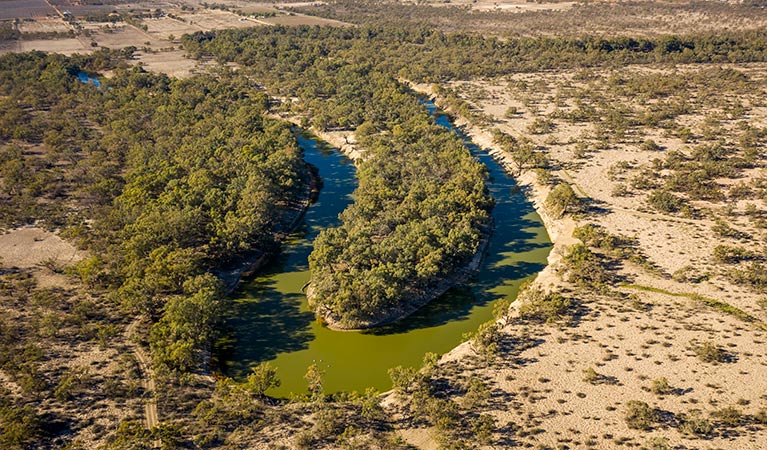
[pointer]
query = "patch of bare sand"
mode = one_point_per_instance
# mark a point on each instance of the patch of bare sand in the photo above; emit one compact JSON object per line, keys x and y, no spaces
{"x":38,"y":250}
{"x":545,"y":393}
{"x":29,"y":247}
{"x":173,"y":63}
{"x":68,"y":46}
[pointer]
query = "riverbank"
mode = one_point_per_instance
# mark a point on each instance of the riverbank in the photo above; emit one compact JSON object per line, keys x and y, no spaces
{"x":560,"y":229}
{"x":413,"y":304}
{"x":249,"y":264}
{"x":650,"y":324}
{"x":346,"y":143}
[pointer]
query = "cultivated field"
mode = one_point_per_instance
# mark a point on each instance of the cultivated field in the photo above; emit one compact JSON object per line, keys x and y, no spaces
{"x":44,"y":25}
{"x":155,"y":35}
{"x":10,"y":9}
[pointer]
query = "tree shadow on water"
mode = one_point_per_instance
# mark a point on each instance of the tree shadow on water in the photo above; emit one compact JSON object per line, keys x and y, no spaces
{"x":269,"y":323}
{"x":505,"y":262}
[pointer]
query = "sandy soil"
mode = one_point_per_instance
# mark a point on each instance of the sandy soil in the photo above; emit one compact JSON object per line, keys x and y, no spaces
{"x":39,"y":251}
{"x":29,"y":247}
{"x":67,"y":46}
{"x":44,"y":25}
{"x":629,"y":337}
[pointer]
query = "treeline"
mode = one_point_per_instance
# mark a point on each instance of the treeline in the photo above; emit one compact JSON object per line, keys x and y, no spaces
{"x":163,"y":179}
{"x":421,"y":204}
{"x":417,"y":218}
{"x":386,"y":249}
{"x":428,"y":55}
{"x":638,"y":18}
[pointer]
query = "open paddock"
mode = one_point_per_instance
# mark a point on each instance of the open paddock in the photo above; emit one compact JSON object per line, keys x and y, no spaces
{"x":172,"y":63}
{"x":125,"y":35}
{"x":65,"y":46}
{"x":164,"y":27}
{"x":44,"y":25}
{"x":302,"y":19}
{"x":211,"y":19}
{"x":11,"y":9}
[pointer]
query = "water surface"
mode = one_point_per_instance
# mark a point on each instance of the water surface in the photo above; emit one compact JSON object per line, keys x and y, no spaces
{"x":271,"y":321}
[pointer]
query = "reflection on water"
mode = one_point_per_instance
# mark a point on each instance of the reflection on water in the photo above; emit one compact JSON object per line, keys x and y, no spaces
{"x":270,"y":319}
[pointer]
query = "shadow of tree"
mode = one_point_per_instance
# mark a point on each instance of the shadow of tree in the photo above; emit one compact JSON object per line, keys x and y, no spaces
{"x":514,"y":234}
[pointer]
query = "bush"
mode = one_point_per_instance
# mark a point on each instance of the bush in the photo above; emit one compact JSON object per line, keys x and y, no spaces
{"x":585,"y":267}
{"x":640,"y":416}
{"x":661,"y":386}
{"x":544,"y":307}
{"x":695,"y":424}
{"x":732,"y":255}
{"x":665,"y":201}
{"x":688,"y":274}
{"x":541,"y":126}
{"x":562,"y":200}
{"x":591,"y":376}
{"x":755,"y":276}
{"x":724,"y":230}
{"x":650,"y":146}
{"x":620,"y":190}
{"x":729,"y":416}
{"x":263,"y":378}
{"x":711,"y":353}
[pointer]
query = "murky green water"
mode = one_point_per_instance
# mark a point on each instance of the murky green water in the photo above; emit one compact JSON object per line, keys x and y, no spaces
{"x":270,"y":319}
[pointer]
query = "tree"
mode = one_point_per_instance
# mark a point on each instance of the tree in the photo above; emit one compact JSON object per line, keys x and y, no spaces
{"x":314,"y":381}
{"x":562,"y":200}
{"x":262,"y":378}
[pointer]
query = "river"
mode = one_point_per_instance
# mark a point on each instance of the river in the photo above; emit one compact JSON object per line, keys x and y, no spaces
{"x":270,"y":319}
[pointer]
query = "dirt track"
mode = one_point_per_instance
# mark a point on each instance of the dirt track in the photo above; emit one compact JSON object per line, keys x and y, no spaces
{"x":151,"y":419}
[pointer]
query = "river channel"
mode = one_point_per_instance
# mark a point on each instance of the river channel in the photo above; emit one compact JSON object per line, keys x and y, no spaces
{"x":270,"y":320}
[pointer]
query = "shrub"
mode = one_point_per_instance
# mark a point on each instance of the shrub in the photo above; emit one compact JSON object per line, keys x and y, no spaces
{"x":661,"y":386}
{"x":477,"y":394}
{"x":591,"y":376}
{"x":729,"y":416}
{"x":695,"y":424}
{"x":650,"y":146}
{"x":732,"y":255}
{"x":724,"y":230}
{"x":402,"y":378}
{"x":543,"y":176}
{"x":665,"y":201}
{"x":620,"y":190}
{"x":755,"y":276}
{"x":328,"y":422}
{"x":263,"y":378}
{"x":711,"y":353}
{"x":585,"y":267}
{"x":657,"y":443}
{"x":541,"y":125}
{"x":688,"y":274}
{"x":562,"y":200}
{"x":640,"y":416}
{"x":544,"y":307}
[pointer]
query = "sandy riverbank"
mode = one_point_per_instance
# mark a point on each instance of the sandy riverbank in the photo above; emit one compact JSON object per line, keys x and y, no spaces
{"x":646,"y":328}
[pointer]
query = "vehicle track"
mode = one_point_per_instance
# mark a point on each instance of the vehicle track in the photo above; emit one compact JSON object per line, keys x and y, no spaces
{"x":151,"y":418}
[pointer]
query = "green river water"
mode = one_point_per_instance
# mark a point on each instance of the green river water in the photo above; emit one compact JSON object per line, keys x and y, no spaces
{"x":269,"y":318}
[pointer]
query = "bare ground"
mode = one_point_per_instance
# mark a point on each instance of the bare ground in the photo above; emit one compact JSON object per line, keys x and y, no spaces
{"x":647,"y":326}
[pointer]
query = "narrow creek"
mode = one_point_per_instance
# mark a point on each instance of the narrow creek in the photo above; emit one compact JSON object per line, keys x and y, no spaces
{"x":270,"y":319}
